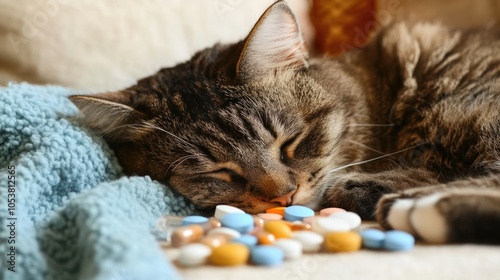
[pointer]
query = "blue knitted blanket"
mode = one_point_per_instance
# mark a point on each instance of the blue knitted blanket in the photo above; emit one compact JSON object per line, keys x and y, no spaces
{"x":66,"y":209}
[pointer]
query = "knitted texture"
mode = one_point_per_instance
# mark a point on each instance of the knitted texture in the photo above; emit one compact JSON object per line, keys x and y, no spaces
{"x":76,"y":215}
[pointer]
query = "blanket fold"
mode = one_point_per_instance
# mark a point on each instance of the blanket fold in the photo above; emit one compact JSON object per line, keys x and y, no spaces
{"x":76,"y":216}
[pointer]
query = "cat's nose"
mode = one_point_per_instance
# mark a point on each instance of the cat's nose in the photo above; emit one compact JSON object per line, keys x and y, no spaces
{"x":284,"y":200}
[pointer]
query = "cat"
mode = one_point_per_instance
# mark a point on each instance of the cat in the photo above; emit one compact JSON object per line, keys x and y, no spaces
{"x":405,"y":130}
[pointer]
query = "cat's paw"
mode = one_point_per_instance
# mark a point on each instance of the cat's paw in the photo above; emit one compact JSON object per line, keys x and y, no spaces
{"x":420,"y":216}
{"x":357,"y":195}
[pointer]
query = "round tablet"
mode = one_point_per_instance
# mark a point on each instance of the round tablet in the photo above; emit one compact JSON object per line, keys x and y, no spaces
{"x":230,"y":254}
{"x":343,"y":241}
{"x":290,"y":247}
{"x":311,"y":241}
{"x":279,"y":229}
{"x":221,"y":210}
{"x":189,"y":220}
{"x":328,"y":211}
{"x":241,"y":222}
{"x":373,"y":238}
{"x":277,"y":210}
{"x":228,"y":232}
{"x":194,"y":254}
{"x":270,"y":216}
{"x":351,"y":218}
{"x":248,"y":240}
{"x":297,"y":213}
{"x":324,"y":225}
{"x":267,"y":255}
{"x":396,"y":240}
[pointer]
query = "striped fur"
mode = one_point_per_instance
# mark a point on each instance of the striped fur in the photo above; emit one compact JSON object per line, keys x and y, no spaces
{"x":404,"y":130}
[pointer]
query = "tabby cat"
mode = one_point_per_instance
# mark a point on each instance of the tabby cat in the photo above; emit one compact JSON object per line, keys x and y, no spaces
{"x":405,"y":130}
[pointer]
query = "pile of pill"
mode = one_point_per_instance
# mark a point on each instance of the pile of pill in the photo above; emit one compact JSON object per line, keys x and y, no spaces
{"x":233,"y":237}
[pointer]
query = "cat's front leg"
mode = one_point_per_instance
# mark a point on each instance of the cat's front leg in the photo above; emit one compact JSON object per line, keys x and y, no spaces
{"x":459,"y":211}
{"x":360,"y":192}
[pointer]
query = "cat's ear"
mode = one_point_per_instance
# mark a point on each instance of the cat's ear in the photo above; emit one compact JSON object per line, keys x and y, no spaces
{"x":275,"y":43}
{"x":112,"y":114}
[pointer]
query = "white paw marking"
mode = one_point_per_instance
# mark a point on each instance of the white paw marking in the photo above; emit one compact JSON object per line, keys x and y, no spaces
{"x":399,"y":215}
{"x":427,"y":221}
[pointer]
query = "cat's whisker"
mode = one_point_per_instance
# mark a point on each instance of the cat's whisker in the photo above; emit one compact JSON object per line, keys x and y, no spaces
{"x":181,"y":160}
{"x":169,"y":133}
{"x":373,"y":159}
{"x":371,"y":124}
{"x":365,"y":146}
{"x":135,"y":126}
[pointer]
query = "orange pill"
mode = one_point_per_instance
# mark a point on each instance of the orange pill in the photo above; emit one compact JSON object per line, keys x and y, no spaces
{"x":265,"y":238}
{"x":296,"y":226}
{"x":279,"y":229}
{"x":276,"y":210}
{"x":270,"y":216}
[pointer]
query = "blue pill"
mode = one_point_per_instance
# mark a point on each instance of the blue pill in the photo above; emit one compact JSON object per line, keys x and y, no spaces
{"x":267,"y":255}
{"x":396,"y":240}
{"x":248,"y":240}
{"x":241,"y":222}
{"x":373,"y":238}
{"x":297,"y":213}
{"x":190,"y":220}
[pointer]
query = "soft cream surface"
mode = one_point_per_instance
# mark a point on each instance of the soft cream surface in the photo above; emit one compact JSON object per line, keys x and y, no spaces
{"x":108,"y":45}
{"x":428,"y":262}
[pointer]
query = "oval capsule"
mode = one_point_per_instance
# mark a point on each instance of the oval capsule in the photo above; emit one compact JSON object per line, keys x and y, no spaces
{"x":194,"y":254}
{"x":343,"y":241}
{"x":186,"y":234}
{"x":279,"y":229}
{"x":230,"y":254}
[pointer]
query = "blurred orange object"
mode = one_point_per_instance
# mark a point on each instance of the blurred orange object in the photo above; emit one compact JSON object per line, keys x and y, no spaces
{"x":342,"y":25}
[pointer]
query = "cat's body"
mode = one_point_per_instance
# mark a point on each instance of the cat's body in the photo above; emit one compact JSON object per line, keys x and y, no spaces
{"x":413,"y":118}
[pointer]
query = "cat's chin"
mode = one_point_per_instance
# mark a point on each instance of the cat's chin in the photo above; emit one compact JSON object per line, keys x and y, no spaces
{"x":308,"y":199}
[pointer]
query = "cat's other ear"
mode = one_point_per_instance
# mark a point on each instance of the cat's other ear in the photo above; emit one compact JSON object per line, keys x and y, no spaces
{"x":275,"y":43}
{"x":112,"y":114}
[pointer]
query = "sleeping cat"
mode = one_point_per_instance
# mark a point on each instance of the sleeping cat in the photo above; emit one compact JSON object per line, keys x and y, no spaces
{"x":405,"y":130}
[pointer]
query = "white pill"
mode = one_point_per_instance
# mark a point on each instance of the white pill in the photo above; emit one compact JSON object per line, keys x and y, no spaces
{"x":353,"y":219}
{"x":194,"y":254}
{"x":311,"y":241}
{"x":228,"y":232}
{"x":290,"y":247}
{"x":324,"y":225}
{"x":221,"y":210}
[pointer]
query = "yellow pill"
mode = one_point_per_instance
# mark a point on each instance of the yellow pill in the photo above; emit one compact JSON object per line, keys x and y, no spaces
{"x":230,"y":254}
{"x":276,"y":210}
{"x":343,"y":241}
{"x":279,"y":229}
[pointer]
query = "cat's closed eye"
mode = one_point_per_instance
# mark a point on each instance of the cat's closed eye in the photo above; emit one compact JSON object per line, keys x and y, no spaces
{"x":228,"y":175}
{"x":287,"y":149}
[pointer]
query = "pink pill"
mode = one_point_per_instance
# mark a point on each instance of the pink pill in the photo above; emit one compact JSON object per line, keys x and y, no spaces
{"x":328,"y":211}
{"x":309,"y":220}
{"x":270,"y":216}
